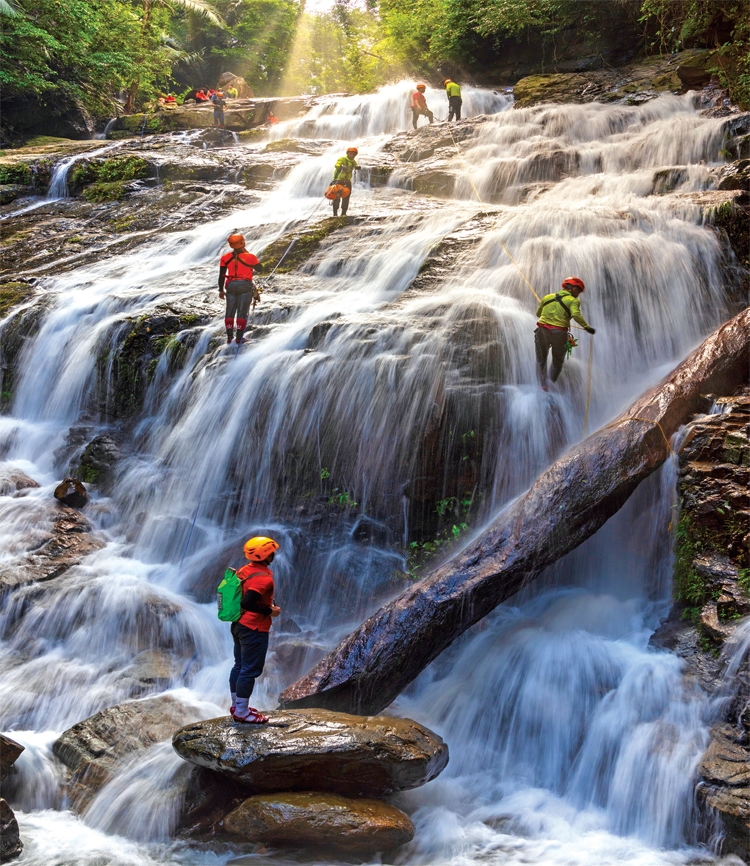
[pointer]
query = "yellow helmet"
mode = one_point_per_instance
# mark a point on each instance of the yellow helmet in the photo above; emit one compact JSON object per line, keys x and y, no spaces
{"x":260,"y":548}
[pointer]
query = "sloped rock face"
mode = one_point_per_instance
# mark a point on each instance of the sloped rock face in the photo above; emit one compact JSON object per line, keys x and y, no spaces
{"x":725,"y":770}
{"x":317,"y":750}
{"x":93,"y":748}
{"x":311,"y":820}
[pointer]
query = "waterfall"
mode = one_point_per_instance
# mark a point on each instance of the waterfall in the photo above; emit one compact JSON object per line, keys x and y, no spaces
{"x":571,"y":740}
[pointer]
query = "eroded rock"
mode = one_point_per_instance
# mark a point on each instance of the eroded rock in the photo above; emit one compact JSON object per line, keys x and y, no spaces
{"x":319,"y":750}
{"x":92,"y":749}
{"x":14,"y":480}
{"x":9,"y":753}
{"x":313,"y":820}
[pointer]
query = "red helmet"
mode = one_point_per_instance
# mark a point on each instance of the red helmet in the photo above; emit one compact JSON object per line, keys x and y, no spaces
{"x":236,"y":242}
{"x":573,"y":282}
{"x":352,"y":150}
{"x":421,"y":87}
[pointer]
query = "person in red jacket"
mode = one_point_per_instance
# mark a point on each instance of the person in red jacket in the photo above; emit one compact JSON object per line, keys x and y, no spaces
{"x":250,"y":633}
{"x":419,"y":106}
{"x":236,"y":271}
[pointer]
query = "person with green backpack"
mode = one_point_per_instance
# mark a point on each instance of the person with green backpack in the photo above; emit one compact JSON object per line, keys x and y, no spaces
{"x":245,"y":599}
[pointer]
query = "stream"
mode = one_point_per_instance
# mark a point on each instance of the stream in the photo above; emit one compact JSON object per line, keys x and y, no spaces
{"x":572,"y":741}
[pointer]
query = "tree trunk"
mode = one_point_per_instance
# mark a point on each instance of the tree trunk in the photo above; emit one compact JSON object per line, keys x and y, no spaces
{"x":566,"y":505}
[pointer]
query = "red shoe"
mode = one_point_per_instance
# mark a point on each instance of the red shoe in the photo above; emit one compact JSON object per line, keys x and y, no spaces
{"x":253,"y":717}
{"x":231,"y":710}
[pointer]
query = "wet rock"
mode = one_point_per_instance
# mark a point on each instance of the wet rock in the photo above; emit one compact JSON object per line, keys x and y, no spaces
{"x":66,"y":544}
{"x":208,"y":798}
{"x":14,"y":480}
{"x":360,"y":828}
{"x":70,"y":491}
{"x":10,"y":839}
{"x":9,"y":753}
{"x":92,"y":749}
{"x":12,"y":294}
{"x":99,"y":461}
{"x":316,"y":749}
{"x":153,"y":669}
{"x":693,"y":68}
{"x":736,"y":175}
{"x":725,"y":771}
{"x":295,"y":653}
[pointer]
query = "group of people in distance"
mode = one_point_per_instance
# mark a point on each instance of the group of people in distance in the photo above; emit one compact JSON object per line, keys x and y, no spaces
{"x":419,"y":107}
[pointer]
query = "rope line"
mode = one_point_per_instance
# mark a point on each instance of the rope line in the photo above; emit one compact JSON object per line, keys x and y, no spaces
{"x":588,"y":385}
{"x":291,"y":244}
{"x":645,"y":421}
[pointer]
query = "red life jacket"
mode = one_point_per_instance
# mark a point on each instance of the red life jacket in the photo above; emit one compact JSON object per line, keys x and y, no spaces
{"x":418,"y":100}
{"x":239,"y":265}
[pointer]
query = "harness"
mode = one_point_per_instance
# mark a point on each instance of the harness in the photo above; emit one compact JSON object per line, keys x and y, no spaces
{"x":237,"y":260}
{"x":558,"y":298}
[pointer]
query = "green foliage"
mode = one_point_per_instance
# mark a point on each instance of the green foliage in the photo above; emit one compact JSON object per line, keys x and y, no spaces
{"x":18,"y":173}
{"x":343,"y":499}
{"x":98,"y":193}
{"x":324,"y":473}
{"x":689,"y":586}
{"x":743,"y":580}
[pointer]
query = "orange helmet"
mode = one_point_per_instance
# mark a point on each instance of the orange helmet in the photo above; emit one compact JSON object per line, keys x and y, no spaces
{"x":421,"y":87}
{"x":260,"y":548}
{"x":352,"y":150}
{"x":446,"y":80}
{"x":236,"y":242}
{"x":575,"y":282}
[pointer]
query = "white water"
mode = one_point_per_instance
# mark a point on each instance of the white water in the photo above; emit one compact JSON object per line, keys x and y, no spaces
{"x":571,"y":741}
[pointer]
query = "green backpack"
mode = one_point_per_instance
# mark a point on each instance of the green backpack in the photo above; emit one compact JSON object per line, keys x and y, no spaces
{"x":228,"y":597}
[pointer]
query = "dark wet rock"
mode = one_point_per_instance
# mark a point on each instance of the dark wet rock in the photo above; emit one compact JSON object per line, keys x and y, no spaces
{"x":99,"y":461}
{"x":359,"y":828}
{"x":10,"y":750}
{"x":14,"y":480}
{"x":10,"y":839}
{"x":9,"y":192}
{"x":153,"y":669}
{"x":736,"y":175}
{"x":693,"y":68}
{"x":306,"y":243}
{"x":70,"y":491}
{"x":295,"y":654}
{"x":316,"y":749}
{"x":92,"y":749}
{"x":68,"y":541}
{"x":208,"y":798}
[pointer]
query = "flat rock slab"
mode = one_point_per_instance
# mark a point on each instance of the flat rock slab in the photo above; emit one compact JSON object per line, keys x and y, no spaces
{"x":313,"y":820}
{"x":303,"y":750}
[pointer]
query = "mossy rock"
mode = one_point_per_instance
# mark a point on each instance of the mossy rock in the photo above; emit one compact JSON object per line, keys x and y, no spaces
{"x":305,"y":245}
{"x":98,"y":193}
{"x":11,"y":295}
{"x":17,"y":173}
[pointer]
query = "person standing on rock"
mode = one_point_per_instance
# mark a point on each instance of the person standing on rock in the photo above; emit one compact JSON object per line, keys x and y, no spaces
{"x":453,"y":92}
{"x":236,"y":270}
{"x":342,"y":175}
{"x":219,"y":104}
{"x":250,"y":633}
{"x":419,"y":106}
{"x":554,"y":314}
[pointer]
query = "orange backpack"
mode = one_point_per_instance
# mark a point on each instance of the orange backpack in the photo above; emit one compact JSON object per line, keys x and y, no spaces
{"x":337,"y":190}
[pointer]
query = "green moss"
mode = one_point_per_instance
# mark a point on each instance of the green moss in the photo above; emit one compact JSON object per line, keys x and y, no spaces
{"x":689,"y":587}
{"x":19,"y":173}
{"x":189,"y":319}
{"x":12,"y":294}
{"x":88,"y":474}
{"x":123,"y":224}
{"x":304,"y":246}
{"x":122,"y":168}
{"x":97,"y":193}
{"x":743,"y":580}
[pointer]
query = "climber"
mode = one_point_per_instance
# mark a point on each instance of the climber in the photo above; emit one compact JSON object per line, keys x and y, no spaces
{"x":342,"y":175}
{"x":250,"y":633}
{"x":236,"y":285}
{"x":232,"y":92}
{"x":453,"y":91}
{"x":419,"y":106}
{"x":219,"y":104}
{"x":554,"y":314}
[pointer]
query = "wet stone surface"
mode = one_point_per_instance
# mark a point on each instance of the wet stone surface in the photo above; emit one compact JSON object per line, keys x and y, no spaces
{"x":317,"y":750}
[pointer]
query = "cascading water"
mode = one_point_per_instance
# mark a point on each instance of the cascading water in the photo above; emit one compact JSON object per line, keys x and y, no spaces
{"x":571,"y":740}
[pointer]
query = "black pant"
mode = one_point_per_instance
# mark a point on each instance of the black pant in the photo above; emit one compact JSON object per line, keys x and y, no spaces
{"x":344,"y":199}
{"x":454,"y":107}
{"x":250,"y":648}
{"x":238,"y":301}
{"x":544,"y":340}
{"x":416,"y":112}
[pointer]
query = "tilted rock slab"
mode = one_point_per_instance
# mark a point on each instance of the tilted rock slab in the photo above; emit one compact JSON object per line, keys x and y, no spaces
{"x":312,"y":820}
{"x":9,"y":752}
{"x":92,"y":749}
{"x":566,"y":505}
{"x":317,"y":750}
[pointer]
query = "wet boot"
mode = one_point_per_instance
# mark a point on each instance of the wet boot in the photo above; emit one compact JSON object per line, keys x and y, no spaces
{"x":241,"y":325}
{"x":230,"y":335}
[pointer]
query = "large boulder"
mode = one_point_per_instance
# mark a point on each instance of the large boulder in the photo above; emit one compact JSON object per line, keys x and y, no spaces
{"x":14,"y":480}
{"x":92,"y":749}
{"x":312,"y":820}
{"x":10,"y":839}
{"x":303,"y":750}
{"x":9,"y":752}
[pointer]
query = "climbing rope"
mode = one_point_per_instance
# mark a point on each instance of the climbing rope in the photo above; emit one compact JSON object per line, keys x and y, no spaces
{"x":588,"y":385}
{"x":292,"y":243}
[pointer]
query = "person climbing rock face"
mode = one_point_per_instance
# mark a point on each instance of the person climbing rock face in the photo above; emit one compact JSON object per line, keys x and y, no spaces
{"x":250,"y":633}
{"x":554,"y":314}
{"x":342,"y":175}
{"x":453,"y":92}
{"x":236,"y":270}
{"x":419,"y":106}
